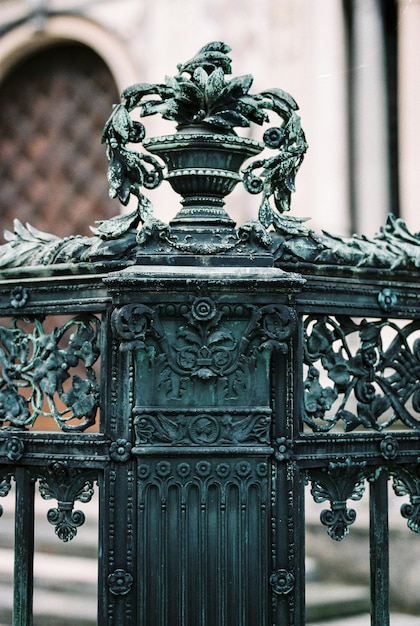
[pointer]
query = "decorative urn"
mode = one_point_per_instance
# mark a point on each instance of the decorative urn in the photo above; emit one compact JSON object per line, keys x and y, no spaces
{"x":202,"y":161}
{"x":203,"y":167}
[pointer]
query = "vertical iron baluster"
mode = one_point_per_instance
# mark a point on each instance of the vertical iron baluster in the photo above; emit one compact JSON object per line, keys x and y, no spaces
{"x":379,"y":551}
{"x":24,"y":548}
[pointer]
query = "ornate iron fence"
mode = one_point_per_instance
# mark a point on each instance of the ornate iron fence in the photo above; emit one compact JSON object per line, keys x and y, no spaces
{"x":202,"y":375}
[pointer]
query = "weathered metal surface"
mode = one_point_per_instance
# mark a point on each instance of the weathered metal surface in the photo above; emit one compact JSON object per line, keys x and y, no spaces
{"x":202,"y":374}
{"x":192,"y":352}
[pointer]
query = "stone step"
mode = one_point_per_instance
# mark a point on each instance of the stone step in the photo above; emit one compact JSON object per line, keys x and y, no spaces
{"x":51,"y":571}
{"x":52,"y":608}
{"x":327,"y":600}
{"x":65,"y":594}
{"x":397,"y":619}
{"x":65,"y":590}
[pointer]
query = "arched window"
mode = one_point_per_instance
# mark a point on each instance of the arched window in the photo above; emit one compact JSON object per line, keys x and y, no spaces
{"x":53,"y":106}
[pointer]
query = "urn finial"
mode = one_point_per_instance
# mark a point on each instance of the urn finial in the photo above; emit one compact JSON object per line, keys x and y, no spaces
{"x":202,"y":160}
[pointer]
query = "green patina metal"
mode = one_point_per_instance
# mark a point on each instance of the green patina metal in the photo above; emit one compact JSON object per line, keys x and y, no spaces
{"x":224,"y":367}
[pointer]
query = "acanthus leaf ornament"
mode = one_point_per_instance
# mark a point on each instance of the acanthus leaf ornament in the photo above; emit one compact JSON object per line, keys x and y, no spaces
{"x":338,"y":483}
{"x":406,"y":482}
{"x":66,"y":485}
{"x":393,"y":247}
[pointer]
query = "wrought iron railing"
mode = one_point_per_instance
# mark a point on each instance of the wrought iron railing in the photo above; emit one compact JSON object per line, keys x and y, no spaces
{"x":202,"y":375}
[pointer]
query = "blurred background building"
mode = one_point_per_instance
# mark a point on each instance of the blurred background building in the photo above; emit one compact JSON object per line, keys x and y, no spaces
{"x":350,"y":64}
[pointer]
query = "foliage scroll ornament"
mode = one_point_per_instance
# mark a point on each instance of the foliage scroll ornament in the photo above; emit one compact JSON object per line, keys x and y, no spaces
{"x":66,"y":485}
{"x":376,"y":363}
{"x":198,"y":427}
{"x":205,"y":347}
{"x":195,"y":343}
{"x":56,"y":367}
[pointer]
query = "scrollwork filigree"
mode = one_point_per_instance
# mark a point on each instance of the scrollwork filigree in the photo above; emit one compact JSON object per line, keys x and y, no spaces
{"x":44,"y":363}
{"x":376,"y":364}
